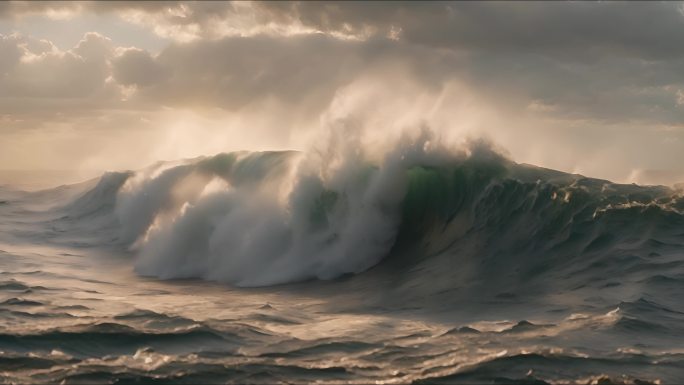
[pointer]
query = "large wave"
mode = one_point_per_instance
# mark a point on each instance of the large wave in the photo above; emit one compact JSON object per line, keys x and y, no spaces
{"x":264,"y":218}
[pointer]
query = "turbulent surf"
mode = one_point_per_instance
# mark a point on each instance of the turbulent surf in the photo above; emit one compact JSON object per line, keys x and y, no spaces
{"x":423,"y":265}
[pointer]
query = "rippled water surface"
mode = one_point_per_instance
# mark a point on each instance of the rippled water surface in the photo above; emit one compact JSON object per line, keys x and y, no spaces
{"x":88,"y":319}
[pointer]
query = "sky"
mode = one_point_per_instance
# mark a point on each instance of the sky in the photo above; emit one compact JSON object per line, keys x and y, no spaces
{"x":595,"y":88}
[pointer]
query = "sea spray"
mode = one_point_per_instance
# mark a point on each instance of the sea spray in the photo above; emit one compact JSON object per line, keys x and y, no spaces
{"x":337,"y":218}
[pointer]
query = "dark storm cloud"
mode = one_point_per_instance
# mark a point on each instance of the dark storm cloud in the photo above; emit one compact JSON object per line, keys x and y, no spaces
{"x":583,"y":60}
{"x":233,"y":71}
{"x":298,"y":70}
{"x":648,"y":30}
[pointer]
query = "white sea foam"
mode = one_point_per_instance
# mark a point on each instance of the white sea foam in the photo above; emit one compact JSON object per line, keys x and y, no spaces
{"x":317,"y":216}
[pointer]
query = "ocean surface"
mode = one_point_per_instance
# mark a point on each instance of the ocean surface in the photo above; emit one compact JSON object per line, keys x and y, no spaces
{"x":425,"y":266}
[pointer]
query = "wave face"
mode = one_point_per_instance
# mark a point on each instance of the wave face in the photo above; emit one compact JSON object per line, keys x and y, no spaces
{"x":255,"y":219}
{"x":265,"y":218}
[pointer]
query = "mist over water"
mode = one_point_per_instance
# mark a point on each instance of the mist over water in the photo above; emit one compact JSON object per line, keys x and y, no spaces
{"x":413,"y":262}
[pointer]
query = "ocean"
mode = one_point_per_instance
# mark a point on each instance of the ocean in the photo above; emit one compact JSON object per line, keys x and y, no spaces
{"x":426,"y":266}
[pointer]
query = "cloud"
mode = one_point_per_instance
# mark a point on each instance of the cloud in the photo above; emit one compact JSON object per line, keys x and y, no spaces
{"x":563,"y":29}
{"x":233,"y":72}
{"x":137,"y":67}
{"x":68,"y":9}
{"x":580,"y":61}
{"x":10,"y":53}
{"x":42,"y":71}
{"x":18,"y":9}
{"x":598,"y":76}
{"x":566,"y":29}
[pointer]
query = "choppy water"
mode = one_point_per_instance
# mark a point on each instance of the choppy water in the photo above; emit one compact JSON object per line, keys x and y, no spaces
{"x":463,"y":269}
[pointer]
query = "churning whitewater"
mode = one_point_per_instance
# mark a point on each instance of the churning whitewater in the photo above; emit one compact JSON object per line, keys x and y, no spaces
{"x":426,"y":264}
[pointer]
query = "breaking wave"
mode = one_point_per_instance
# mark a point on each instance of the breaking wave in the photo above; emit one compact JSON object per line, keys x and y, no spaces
{"x":265,"y":218}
